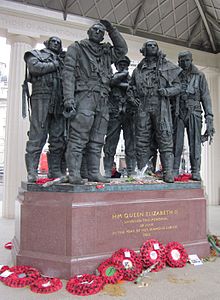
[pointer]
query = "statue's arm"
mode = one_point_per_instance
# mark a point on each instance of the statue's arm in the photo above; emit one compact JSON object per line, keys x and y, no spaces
{"x":40,"y":68}
{"x":205,"y":96}
{"x":123,"y":85}
{"x":207,"y":107}
{"x":117,"y":78}
{"x":120,"y":47}
{"x":68,"y":74}
{"x":133,"y":97}
{"x":174,"y":89}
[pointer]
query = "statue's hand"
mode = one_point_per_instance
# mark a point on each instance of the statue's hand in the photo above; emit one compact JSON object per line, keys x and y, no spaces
{"x":56,"y":63}
{"x":118,"y":77}
{"x":162,"y":92}
{"x":134,"y":101}
{"x":210,"y":128}
{"x":132,"y":98}
{"x":125,"y":73}
{"x":108,"y":25}
{"x":62,"y":54}
{"x":69,"y":108}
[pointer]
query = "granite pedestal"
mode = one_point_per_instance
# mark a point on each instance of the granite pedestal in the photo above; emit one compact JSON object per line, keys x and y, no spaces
{"x":66,"y":230}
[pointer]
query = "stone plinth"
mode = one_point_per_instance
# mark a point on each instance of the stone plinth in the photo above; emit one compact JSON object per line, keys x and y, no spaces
{"x":65,"y":230}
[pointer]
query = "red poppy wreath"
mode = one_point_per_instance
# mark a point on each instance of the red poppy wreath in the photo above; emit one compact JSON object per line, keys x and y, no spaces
{"x":4,"y":272}
{"x":46,"y":285}
{"x":21,"y":276}
{"x":153,"y":252}
{"x":176,"y":255}
{"x":8,"y":245}
{"x":130,"y":261}
{"x":84,"y":285}
{"x":110,"y":272}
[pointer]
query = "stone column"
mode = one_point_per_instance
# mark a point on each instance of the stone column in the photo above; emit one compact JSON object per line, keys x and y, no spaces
{"x":16,"y":127}
{"x":210,"y":153}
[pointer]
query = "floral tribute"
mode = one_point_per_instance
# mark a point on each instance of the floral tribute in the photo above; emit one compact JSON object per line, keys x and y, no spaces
{"x":124,"y":264}
{"x":153,"y":252}
{"x":3,"y":270}
{"x":43,"y":180}
{"x":21,"y":276}
{"x":130,"y":261}
{"x":110,"y":272}
{"x":183,"y":177}
{"x":84,"y":285}
{"x":8,"y":245}
{"x":46,"y":285}
{"x":176,"y":255}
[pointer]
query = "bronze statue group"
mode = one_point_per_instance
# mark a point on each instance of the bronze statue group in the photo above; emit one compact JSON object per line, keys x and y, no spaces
{"x":79,"y":106}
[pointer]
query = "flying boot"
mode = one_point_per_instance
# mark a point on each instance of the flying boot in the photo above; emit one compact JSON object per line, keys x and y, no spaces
{"x":195,"y":169}
{"x":32,"y":161}
{"x":93,"y":161}
{"x":108,"y":162}
{"x":167,"y":165}
{"x":74,"y":161}
{"x":54,"y":165}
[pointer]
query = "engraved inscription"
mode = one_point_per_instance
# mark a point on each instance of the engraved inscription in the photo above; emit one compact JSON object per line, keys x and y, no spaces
{"x":145,"y":223}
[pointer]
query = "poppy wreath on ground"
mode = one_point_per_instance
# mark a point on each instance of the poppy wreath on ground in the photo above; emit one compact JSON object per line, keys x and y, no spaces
{"x":8,"y":245}
{"x":84,"y":285}
{"x":130,"y":262}
{"x":176,"y":255}
{"x":110,"y":272}
{"x":153,"y":252}
{"x":2,"y":270}
{"x":46,"y":285}
{"x":21,"y":276}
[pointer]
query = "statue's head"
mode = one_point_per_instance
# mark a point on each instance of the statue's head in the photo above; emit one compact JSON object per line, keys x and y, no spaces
{"x":150,"y":48}
{"x":96,"y":32}
{"x":122,"y":63}
{"x":54,"y":44}
{"x":185,"y":59}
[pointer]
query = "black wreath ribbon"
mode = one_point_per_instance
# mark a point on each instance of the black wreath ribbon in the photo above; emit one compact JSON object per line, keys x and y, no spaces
{"x":110,"y":272}
{"x":46,"y":285}
{"x":84,"y":285}
{"x":22,"y":276}
{"x":131,"y":264}
{"x":182,"y":257}
{"x":148,"y":249}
